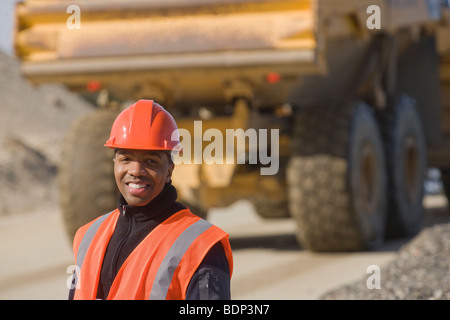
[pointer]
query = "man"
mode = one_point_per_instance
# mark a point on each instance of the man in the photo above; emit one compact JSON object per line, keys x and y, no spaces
{"x":150,"y":247}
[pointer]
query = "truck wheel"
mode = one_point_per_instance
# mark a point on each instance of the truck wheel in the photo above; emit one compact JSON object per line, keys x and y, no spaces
{"x":270,"y":209}
{"x":198,"y":210}
{"x":270,"y":201}
{"x":86,"y":176}
{"x":337,"y":178}
{"x":406,"y":164}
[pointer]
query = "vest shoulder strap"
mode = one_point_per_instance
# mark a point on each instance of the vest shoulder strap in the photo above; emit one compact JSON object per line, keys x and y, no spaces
{"x":167,"y":268}
{"x":82,"y":242}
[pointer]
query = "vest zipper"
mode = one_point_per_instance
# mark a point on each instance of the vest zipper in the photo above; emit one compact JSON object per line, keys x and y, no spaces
{"x":121,"y":243}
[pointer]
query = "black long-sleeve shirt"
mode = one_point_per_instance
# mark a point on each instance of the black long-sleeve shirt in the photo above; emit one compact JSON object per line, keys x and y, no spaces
{"x":210,"y":281}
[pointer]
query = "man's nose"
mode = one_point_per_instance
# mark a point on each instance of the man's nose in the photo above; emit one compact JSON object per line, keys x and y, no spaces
{"x":136,"y":168}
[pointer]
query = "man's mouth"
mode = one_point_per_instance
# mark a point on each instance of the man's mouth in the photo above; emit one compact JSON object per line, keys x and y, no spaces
{"x":137,"y":188}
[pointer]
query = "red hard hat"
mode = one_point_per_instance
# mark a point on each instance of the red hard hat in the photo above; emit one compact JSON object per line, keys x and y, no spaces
{"x":144,"y":125}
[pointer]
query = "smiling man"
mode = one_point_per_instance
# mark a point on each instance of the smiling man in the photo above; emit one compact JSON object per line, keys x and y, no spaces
{"x":141,"y":174}
{"x":150,"y":246}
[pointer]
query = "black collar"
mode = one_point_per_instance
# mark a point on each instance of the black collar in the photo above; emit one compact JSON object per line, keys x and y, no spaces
{"x":154,"y":208}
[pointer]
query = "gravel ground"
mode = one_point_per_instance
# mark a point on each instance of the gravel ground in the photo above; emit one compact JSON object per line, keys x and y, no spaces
{"x":420,"y":272}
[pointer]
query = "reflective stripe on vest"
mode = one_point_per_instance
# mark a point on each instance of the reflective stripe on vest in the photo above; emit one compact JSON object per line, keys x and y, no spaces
{"x":87,"y":239}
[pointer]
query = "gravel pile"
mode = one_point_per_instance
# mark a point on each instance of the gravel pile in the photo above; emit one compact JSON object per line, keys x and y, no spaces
{"x":33,"y":122}
{"x":420,"y":271}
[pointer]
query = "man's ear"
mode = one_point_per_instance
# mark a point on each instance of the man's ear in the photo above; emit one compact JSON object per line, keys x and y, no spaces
{"x":169,"y":172}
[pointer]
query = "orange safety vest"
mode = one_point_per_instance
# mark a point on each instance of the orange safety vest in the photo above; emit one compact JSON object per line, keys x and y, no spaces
{"x":159,"y":268}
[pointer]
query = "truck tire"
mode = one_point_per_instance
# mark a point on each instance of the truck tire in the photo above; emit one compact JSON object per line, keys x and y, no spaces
{"x":270,"y":201}
{"x":86,"y":182}
{"x":270,"y":208}
{"x":337,"y":178}
{"x":406,"y":164}
{"x":196,"y":209}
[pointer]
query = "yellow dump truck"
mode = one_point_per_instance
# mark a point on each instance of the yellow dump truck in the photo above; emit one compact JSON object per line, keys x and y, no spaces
{"x":332,"y":109}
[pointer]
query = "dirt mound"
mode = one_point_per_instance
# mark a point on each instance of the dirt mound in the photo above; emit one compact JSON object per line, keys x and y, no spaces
{"x":33,"y":122}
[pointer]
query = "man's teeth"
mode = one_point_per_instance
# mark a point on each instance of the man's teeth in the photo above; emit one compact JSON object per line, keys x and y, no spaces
{"x":136,"y":186}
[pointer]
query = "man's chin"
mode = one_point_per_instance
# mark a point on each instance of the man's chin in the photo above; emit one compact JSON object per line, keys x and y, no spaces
{"x":137,"y":201}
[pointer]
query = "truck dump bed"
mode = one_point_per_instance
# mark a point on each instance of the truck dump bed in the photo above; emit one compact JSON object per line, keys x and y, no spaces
{"x":160,"y":49}
{"x":164,"y":42}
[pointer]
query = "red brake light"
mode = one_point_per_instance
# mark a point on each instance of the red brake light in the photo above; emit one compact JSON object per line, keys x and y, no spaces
{"x":93,"y":86}
{"x":273,"y":77}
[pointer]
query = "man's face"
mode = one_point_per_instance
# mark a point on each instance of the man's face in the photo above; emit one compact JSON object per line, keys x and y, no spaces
{"x":141,"y":174}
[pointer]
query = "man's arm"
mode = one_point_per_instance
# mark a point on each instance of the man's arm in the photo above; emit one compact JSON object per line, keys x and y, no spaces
{"x":211,"y":281}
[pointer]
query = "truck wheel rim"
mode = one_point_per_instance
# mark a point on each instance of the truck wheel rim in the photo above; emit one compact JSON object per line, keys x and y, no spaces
{"x":411,"y":174}
{"x":368,"y":177}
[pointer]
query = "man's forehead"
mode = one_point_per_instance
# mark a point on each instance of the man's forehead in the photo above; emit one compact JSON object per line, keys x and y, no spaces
{"x":140,"y":152}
